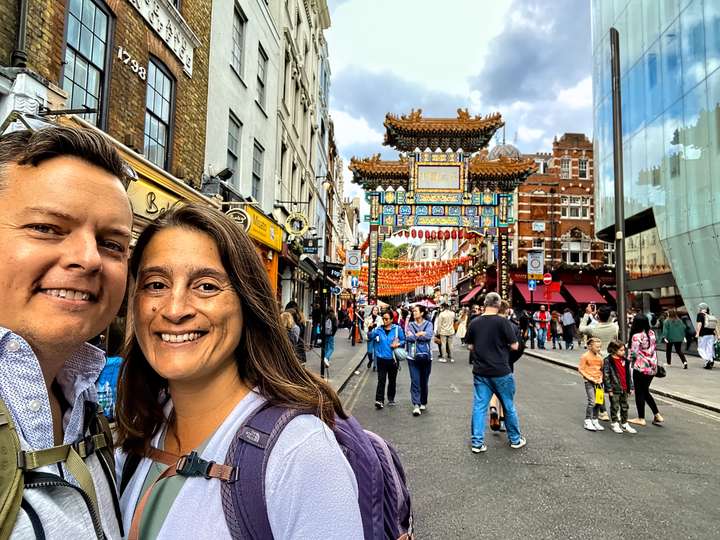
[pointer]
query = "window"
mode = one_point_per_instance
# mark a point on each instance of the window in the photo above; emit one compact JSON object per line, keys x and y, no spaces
{"x":609,"y":250}
{"x":158,"y":106}
{"x":565,"y":168}
{"x":538,"y":243}
{"x":84,"y":73}
{"x":238,"y":41}
{"x":575,"y":207}
{"x":233,"y":145}
{"x":576,"y":247}
{"x":286,"y":77}
{"x":583,"y":169}
{"x":261,"y":76}
{"x":257,"y":171}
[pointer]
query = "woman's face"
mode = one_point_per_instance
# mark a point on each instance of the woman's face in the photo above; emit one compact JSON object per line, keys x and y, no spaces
{"x":187,"y":316}
{"x":620,"y":351}
{"x":375,"y":311}
{"x":417,"y":313}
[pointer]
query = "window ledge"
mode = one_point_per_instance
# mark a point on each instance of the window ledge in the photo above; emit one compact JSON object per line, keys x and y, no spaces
{"x":242,"y":81}
{"x":262,"y":109}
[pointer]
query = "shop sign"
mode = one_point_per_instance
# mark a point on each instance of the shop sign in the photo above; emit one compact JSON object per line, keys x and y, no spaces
{"x":311,"y":245}
{"x":264,"y":230}
{"x":172,"y":29}
{"x":334,"y":270}
{"x":504,"y":264}
{"x":297,"y":224}
{"x":148,"y":200}
{"x":241,"y":217}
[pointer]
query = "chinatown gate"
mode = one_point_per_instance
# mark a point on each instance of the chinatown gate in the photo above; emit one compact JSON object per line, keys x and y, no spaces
{"x":459,"y":184}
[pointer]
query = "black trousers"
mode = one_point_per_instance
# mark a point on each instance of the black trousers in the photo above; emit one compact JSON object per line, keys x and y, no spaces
{"x":386,"y":370}
{"x":642,"y":393}
{"x":668,"y":351}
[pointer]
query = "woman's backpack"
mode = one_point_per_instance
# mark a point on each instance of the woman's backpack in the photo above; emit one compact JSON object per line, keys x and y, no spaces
{"x":383,"y":495}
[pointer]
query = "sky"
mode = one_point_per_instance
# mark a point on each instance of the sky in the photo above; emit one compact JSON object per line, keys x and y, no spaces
{"x":530,"y":60}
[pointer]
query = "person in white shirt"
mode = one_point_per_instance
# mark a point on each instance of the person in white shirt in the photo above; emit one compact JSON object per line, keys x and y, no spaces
{"x":445,"y":330}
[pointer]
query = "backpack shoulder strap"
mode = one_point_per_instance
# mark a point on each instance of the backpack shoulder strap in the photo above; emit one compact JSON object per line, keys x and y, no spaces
{"x":11,"y":476}
{"x":244,"y":499}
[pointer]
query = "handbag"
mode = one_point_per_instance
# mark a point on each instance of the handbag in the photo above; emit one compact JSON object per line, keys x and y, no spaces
{"x":599,"y":395}
{"x":437,"y":340}
{"x":399,"y":353}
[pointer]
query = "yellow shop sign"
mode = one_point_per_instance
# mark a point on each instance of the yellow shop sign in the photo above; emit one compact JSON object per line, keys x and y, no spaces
{"x":264,"y":230}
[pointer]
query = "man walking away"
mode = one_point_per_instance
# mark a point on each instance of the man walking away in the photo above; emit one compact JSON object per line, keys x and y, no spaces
{"x":65,"y":230}
{"x":705,"y":327}
{"x":568,"y":324}
{"x":491,"y":338}
{"x":542,"y":319}
{"x":445,"y":329}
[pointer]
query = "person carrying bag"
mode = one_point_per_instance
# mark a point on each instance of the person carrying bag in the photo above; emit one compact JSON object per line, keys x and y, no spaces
{"x":418,"y":336}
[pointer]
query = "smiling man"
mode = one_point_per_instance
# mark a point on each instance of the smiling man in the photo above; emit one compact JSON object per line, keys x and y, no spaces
{"x":65,"y":229}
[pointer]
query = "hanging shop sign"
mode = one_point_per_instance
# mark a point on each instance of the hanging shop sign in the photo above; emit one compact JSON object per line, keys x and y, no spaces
{"x":149,"y":200}
{"x":241,"y":217}
{"x":264,"y":230}
{"x":504,"y":264}
{"x":334,"y":270}
{"x":297,"y":224}
{"x":311,"y":245}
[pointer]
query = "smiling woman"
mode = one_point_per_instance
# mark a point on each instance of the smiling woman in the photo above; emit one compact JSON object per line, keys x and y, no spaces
{"x":205,"y":350}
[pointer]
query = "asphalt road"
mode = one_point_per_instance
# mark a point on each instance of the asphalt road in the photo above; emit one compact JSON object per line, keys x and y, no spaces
{"x":567,"y":482}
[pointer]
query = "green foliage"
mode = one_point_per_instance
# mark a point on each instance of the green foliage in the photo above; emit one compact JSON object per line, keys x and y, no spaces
{"x":391,"y":251}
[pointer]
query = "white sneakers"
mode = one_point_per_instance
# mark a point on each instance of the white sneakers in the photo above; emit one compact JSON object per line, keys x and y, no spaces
{"x":423,"y":407}
{"x":442,"y":360}
{"x":416,"y":411}
{"x":628,"y":428}
{"x":589,"y":425}
{"x":597,"y":425}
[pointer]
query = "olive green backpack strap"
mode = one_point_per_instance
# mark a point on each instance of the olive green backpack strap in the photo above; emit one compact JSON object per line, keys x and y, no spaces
{"x":11,"y":476}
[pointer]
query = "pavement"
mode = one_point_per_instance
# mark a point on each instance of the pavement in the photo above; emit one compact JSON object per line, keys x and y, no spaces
{"x":343,"y":363}
{"x":567,"y":482}
{"x":695,"y":385}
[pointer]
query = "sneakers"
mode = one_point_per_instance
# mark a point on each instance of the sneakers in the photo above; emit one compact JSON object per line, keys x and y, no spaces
{"x":589,"y":425}
{"x":616,"y":427}
{"x":522,"y":442}
{"x":423,"y":407}
{"x":709,"y":365}
{"x":658,"y":420}
{"x":326,"y":362}
{"x":684,"y":365}
{"x":452,"y":360}
{"x":638,"y":421}
{"x":597,"y":425}
{"x":442,"y":360}
{"x":479,"y":449}
{"x":416,"y":411}
{"x":628,"y":428}
{"x":379,"y":405}
{"x":392,"y":403}
{"x":604,"y":416}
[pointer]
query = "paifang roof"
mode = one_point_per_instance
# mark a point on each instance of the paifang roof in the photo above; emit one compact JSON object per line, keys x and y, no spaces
{"x":411,"y":131}
{"x":503,"y":174}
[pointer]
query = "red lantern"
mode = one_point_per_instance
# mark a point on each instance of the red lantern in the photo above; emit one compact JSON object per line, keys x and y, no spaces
{"x":447,"y":235}
{"x":454,"y":234}
{"x":427,"y":235}
{"x":413,"y":233}
{"x":433,"y":235}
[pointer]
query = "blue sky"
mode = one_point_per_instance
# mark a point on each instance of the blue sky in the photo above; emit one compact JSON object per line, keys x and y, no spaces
{"x":530,"y":60}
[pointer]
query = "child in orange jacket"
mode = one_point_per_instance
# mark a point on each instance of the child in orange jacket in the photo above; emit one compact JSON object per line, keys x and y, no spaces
{"x":591,"y":370}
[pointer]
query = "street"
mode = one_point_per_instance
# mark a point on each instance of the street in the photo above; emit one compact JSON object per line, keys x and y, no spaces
{"x":567,"y":482}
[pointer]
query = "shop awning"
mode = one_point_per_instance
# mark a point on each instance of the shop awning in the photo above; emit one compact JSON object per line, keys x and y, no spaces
{"x":539,"y":295}
{"x":613,"y":293}
{"x":472,"y":294}
{"x":585,"y":294}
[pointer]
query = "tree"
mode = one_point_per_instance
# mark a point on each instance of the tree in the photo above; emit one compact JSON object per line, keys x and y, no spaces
{"x":391,"y":251}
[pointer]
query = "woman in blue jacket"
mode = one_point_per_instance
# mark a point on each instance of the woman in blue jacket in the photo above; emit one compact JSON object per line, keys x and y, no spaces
{"x":419,"y":335}
{"x":387,"y":338}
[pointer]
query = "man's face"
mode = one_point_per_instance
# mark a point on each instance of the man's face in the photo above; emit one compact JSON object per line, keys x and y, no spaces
{"x":542,"y":308}
{"x":65,"y":231}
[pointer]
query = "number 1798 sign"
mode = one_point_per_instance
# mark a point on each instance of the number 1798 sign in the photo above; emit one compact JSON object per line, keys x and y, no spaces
{"x":133,"y":64}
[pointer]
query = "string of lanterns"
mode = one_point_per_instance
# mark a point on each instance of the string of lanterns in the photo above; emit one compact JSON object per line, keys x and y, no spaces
{"x":393,"y":281}
{"x":437,"y":235}
{"x":422,"y":264}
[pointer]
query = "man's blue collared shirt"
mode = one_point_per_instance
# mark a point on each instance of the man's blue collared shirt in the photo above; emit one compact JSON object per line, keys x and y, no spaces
{"x":22,"y":388}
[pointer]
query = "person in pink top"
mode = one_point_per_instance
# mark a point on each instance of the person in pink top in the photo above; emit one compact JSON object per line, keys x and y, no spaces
{"x":645,"y":366}
{"x":590,"y":368}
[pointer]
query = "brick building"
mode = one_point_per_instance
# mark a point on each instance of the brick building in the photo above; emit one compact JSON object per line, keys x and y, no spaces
{"x":140,"y":69}
{"x":555,"y":208}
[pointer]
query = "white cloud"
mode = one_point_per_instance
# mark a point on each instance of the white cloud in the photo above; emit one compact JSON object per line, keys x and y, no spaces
{"x":350,"y":130}
{"x":578,"y":96}
{"x":527,"y":135}
{"x":438,"y":45}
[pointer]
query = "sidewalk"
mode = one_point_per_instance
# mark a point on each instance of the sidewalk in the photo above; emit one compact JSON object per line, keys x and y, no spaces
{"x":695,"y":385}
{"x":344,"y":361}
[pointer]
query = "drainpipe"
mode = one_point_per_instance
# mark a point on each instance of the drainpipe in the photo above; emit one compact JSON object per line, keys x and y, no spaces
{"x":19,"y":55}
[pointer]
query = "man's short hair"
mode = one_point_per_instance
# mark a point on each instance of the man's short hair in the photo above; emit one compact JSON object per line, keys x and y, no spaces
{"x":604,"y":314}
{"x":492,"y":300}
{"x":28,"y":147}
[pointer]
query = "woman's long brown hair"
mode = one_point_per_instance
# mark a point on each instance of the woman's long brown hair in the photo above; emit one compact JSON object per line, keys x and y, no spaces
{"x":265,"y":357}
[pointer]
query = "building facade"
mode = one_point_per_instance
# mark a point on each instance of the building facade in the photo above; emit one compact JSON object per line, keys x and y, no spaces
{"x":555,"y":207}
{"x":670,"y":82}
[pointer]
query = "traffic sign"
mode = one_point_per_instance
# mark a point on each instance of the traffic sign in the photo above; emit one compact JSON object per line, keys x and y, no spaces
{"x":353,"y":260}
{"x":547,"y":279}
{"x":536,"y":264}
{"x":335,"y":290}
{"x":532,"y":284}
{"x":354,"y":290}
{"x":354,"y":282}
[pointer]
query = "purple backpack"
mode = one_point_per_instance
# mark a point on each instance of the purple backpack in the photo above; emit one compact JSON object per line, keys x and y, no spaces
{"x":382,"y":489}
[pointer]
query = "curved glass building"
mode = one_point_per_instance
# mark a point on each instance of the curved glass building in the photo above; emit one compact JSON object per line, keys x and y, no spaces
{"x":670,"y":65}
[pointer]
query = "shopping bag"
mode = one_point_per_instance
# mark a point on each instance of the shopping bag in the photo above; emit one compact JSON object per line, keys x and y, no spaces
{"x":599,"y":395}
